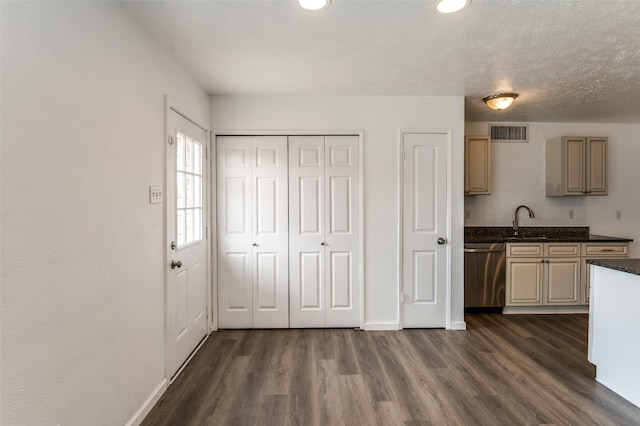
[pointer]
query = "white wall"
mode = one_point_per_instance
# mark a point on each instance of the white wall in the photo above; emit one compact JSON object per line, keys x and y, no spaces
{"x":518,"y":177}
{"x":82,"y":249}
{"x":380,"y":118}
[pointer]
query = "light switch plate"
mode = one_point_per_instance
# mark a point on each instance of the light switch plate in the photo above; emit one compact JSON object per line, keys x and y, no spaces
{"x":155,"y":194}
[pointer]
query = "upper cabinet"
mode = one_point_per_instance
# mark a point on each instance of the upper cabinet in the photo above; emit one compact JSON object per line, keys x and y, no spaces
{"x":576,"y":166}
{"x":477,"y":165}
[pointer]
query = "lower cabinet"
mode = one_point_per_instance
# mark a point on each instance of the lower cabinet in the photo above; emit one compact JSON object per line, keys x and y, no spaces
{"x":524,"y":282}
{"x":543,"y":274}
{"x":554,"y":274}
{"x":562,"y":285}
{"x":598,"y":251}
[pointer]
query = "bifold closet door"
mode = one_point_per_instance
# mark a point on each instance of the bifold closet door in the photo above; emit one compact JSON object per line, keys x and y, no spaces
{"x":323,"y":231}
{"x":252,"y":232}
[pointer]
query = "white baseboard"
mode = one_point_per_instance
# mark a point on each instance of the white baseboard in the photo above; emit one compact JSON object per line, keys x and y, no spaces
{"x":381,"y":326}
{"x":148,"y":404}
{"x":458,"y":325}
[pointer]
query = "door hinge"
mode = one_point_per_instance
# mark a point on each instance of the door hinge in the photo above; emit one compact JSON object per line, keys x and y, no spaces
{"x":206,"y":153}
{"x":404,"y":154}
{"x":171,"y":140}
{"x":206,"y":232}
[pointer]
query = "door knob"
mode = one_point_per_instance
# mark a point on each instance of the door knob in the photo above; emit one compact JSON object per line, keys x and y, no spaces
{"x":176,"y":264}
{"x":441,"y":241}
{"x":323,"y":243}
{"x":255,"y":244}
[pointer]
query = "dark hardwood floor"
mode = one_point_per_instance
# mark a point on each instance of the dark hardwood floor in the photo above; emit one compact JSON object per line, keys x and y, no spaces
{"x":504,"y":370}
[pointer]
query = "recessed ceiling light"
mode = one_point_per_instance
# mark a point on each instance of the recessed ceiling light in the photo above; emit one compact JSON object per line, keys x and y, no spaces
{"x":314,"y":4}
{"x":450,"y":6}
{"x":499,"y":101}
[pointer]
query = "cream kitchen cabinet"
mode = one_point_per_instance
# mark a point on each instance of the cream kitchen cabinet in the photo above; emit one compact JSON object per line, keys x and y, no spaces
{"x":598,"y":251}
{"x":477,"y":165}
{"x":524,"y":282}
{"x":576,"y":166}
{"x":543,"y":274}
{"x":524,"y":275}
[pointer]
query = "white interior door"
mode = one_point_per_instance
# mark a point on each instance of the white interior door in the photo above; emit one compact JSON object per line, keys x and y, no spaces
{"x":252,"y":232}
{"x":324,"y":231}
{"x":186,"y":246}
{"x":424,"y":233}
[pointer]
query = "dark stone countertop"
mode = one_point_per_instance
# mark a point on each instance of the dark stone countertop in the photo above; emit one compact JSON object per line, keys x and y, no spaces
{"x":632,"y":266}
{"x":537,"y":234}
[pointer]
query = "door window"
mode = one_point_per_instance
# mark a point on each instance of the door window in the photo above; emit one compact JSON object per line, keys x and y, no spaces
{"x":188,"y":191}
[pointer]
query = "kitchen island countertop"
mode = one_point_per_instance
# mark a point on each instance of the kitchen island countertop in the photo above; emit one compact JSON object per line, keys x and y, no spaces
{"x":631,"y":266}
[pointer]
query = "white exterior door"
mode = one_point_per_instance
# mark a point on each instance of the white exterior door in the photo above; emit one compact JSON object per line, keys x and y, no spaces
{"x":186,"y":245}
{"x":424,"y":229}
{"x":252,"y":232}
{"x":323,"y":231}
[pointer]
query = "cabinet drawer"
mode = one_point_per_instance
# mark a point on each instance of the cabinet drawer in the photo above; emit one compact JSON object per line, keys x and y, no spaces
{"x":561,"y":249}
{"x":605,"y":250}
{"x":524,"y":250}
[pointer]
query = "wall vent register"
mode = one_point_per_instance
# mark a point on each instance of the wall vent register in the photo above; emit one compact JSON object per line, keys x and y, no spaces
{"x":509,"y":132}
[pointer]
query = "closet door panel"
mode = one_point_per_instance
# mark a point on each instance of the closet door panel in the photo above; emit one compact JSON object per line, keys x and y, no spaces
{"x":270,"y":236}
{"x":340,"y":205}
{"x":340,"y":285}
{"x":342,"y":239}
{"x":306,"y":231}
{"x":310,"y":205}
{"x":311,"y":281}
{"x":235,"y":300}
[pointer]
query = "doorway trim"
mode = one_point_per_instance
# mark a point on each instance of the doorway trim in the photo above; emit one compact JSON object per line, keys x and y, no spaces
{"x":172,"y":105}
{"x":213,"y":205}
{"x":449,"y":192}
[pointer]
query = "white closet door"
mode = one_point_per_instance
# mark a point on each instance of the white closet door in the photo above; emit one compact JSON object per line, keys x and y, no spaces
{"x":341,"y":231}
{"x":253,"y":266}
{"x":306,"y":231}
{"x":270,"y":231}
{"x":323,"y":231}
{"x":235,"y":236}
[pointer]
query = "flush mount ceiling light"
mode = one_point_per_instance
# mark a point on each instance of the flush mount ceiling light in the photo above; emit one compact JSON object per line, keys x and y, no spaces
{"x":314,"y":4}
{"x":499,"y":101}
{"x":450,"y":6}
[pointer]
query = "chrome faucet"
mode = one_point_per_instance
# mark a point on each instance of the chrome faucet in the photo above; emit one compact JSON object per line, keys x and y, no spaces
{"x":515,"y":218}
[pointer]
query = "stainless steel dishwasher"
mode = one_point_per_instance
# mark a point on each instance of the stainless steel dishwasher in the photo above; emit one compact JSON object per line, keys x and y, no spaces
{"x":484,"y":276}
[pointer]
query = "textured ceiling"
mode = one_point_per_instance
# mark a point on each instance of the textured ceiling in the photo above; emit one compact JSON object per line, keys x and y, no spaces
{"x":570,"y":60}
